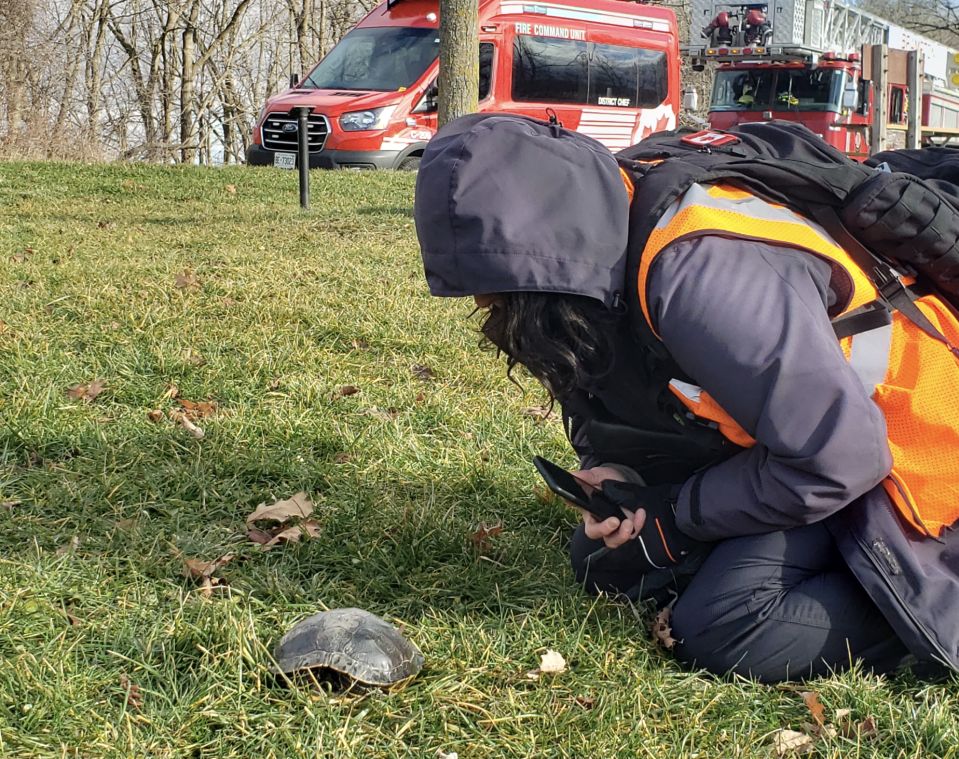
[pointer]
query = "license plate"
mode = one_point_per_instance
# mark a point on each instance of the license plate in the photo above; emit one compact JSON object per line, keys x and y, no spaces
{"x":284,"y":160}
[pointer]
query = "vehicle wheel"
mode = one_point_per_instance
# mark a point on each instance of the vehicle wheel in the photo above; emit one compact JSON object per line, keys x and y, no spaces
{"x":410,"y":163}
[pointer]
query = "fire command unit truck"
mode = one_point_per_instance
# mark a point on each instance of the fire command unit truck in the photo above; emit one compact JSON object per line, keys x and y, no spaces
{"x":607,"y":68}
{"x":860,"y":82}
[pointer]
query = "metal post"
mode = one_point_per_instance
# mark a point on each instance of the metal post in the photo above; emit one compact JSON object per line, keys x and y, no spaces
{"x":914,"y":66}
{"x":302,"y":113}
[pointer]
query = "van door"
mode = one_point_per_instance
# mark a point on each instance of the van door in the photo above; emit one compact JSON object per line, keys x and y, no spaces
{"x":425,"y":111}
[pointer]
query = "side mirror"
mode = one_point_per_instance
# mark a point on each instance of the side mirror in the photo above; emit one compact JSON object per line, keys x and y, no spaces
{"x":850,"y":97}
{"x":429,"y":103}
{"x":691,"y":99}
{"x":294,"y":80}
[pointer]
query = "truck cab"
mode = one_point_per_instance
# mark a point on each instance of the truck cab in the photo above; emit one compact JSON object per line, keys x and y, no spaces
{"x":833,"y":100}
{"x":607,"y":68}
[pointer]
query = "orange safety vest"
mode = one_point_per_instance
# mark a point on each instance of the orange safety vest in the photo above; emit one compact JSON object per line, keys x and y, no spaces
{"x":912,"y":377}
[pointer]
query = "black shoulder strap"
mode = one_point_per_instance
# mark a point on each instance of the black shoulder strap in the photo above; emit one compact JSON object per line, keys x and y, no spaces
{"x":892,"y":292}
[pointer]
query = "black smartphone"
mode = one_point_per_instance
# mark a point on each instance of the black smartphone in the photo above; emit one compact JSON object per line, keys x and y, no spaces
{"x":576,"y":491}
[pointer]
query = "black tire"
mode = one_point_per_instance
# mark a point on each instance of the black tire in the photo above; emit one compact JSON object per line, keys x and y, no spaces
{"x":410,"y":163}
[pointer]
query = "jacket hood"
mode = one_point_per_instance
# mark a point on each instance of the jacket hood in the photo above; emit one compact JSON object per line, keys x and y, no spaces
{"x":507,"y":203}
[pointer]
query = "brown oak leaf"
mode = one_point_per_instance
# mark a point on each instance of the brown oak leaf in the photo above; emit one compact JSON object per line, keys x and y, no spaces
{"x":186,"y":279}
{"x":480,"y":538}
{"x":538,"y":412}
{"x":344,"y":391}
{"x":661,"y":629}
{"x":298,"y":505}
{"x":290,"y":535}
{"x":422,"y":371}
{"x":132,"y":692}
{"x":817,"y":710}
{"x":200,"y":568}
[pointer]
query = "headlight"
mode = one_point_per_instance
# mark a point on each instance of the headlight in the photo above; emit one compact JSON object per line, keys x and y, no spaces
{"x":359,"y":121}
{"x":260,"y":117}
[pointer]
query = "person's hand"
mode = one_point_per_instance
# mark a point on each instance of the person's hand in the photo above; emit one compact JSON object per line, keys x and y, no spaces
{"x":612,"y":531}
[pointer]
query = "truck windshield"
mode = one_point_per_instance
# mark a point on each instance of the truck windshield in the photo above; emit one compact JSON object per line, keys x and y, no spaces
{"x":380,"y":59}
{"x":816,"y":90}
{"x":742,"y":90}
{"x":778,"y":90}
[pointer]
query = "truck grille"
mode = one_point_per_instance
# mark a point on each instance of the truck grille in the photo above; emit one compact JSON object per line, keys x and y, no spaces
{"x":275,"y":138}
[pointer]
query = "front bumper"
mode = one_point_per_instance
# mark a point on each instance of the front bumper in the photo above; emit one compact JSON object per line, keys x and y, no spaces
{"x":257,"y":155}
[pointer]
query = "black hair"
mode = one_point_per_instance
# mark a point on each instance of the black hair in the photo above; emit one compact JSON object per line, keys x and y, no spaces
{"x":564,"y":341}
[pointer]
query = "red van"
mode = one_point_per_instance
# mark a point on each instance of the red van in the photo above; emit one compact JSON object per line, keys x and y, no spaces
{"x":607,"y":68}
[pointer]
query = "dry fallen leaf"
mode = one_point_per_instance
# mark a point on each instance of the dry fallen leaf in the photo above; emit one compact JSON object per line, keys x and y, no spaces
{"x":360,"y":345}
{"x":791,"y":743}
{"x":133,"y":695}
{"x":298,"y":505}
{"x":6,"y":505}
{"x":172,"y":391}
{"x":195,"y":360}
{"x":387,"y":415}
{"x":422,"y":371}
{"x":126,"y":524}
{"x":155,"y":415}
{"x":200,"y":568}
{"x":275,"y":384}
{"x":815,"y":708}
{"x":104,"y":224}
{"x":86,"y":392}
{"x":865,"y":729}
{"x":227,"y":301}
{"x":186,"y":279}
{"x":543,"y":494}
{"x":420,"y":397}
{"x":585,"y":701}
{"x":70,"y":547}
{"x":480,"y":538}
{"x":552,"y":661}
{"x":342,"y":458}
{"x":259,"y":536}
{"x":345,"y":391}
{"x":183,"y":420}
{"x":230,"y":188}
{"x":538,"y":412}
{"x":661,"y":629}
{"x":290,"y":535}
{"x":200,"y":410}
{"x":74,"y":621}
{"x":19,"y":258}
{"x":311,"y":527}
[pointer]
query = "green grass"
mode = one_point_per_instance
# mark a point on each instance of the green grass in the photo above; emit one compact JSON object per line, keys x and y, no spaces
{"x":319,"y":300}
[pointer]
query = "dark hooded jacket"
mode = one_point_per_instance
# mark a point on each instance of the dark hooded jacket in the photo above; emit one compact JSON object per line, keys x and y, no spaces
{"x":507,"y":203}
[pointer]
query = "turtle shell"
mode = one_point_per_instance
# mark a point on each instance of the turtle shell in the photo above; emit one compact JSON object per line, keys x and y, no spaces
{"x":351,"y":641}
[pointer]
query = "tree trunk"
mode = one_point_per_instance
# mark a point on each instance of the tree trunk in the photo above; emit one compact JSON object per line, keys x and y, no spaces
{"x":188,"y":152}
{"x":459,"y":59}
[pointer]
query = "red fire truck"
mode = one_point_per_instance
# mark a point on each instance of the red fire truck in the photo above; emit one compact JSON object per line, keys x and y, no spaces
{"x":860,"y":82}
{"x":607,"y":68}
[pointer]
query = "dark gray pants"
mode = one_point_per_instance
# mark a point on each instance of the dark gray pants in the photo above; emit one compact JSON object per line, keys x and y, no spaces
{"x":780,"y":606}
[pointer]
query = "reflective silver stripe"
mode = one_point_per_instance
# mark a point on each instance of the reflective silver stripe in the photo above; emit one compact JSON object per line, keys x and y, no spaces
{"x":690,"y":392}
{"x":869,"y":356}
{"x":755,"y":208}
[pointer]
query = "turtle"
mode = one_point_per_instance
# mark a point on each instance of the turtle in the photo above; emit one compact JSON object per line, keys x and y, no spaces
{"x":352,"y":642}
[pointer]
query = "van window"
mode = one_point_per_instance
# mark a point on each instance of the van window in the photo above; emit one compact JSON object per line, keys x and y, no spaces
{"x":380,"y":59}
{"x":546,"y":69}
{"x":485,"y":69}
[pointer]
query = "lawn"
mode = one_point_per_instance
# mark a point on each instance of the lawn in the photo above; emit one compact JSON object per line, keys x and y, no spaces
{"x":333,"y":373}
